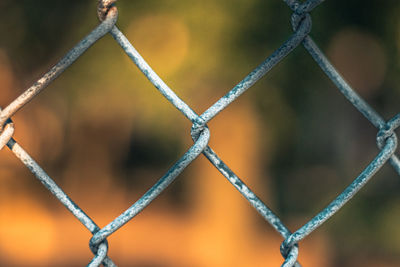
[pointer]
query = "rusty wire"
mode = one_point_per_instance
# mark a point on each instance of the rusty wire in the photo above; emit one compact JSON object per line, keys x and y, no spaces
{"x":301,"y":23}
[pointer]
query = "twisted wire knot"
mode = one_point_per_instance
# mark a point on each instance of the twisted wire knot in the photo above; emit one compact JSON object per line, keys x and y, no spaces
{"x":298,"y":19}
{"x":300,"y":15}
{"x":100,"y":254}
{"x":197,"y":128}
{"x":288,"y":247}
{"x":104,"y":7}
{"x":99,"y":251}
{"x":387,"y":131}
{"x":6,"y":132}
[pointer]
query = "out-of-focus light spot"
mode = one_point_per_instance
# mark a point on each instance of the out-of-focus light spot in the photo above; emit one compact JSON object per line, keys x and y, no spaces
{"x":360,"y":57}
{"x":26,"y":231}
{"x":162,"y":40}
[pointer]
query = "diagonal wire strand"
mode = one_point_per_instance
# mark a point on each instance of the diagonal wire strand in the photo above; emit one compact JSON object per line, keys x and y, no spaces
{"x":49,"y":183}
{"x":102,"y":29}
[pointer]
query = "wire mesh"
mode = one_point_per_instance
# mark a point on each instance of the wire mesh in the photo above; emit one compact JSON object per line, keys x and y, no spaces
{"x":301,"y":24}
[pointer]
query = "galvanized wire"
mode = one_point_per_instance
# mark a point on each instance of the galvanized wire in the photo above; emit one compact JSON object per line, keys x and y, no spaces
{"x":301,"y":23}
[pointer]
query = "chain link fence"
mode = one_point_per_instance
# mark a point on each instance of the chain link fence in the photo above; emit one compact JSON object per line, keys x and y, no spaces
{"x":301,"y":24}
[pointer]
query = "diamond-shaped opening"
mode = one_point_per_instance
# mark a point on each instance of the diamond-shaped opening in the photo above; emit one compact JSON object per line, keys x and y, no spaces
{"x":95,"y":138}
{"x":325,"y":147}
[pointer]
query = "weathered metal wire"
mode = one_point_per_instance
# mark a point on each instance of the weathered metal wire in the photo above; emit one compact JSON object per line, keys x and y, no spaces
{"x":7,"y":133}
{"x":301,"y":23}
{"x":154,"y":191}
{"x":344,"y":197}
{"x":103,"y":28}
{"x":49,"y":183}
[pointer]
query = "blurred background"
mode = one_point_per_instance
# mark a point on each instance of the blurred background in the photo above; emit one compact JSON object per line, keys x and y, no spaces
{"x":105,"y":134}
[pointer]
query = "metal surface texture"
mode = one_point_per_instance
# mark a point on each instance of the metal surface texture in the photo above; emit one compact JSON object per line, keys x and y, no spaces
{"x":301,"y":23}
